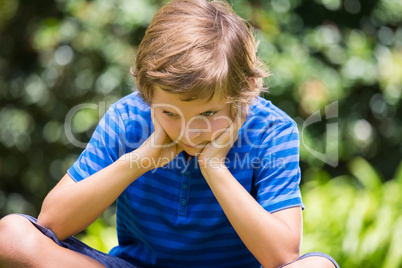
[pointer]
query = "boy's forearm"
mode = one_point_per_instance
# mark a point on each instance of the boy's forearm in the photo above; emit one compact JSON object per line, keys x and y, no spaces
{"x":270,"y":240}
{"x":70,"y":209}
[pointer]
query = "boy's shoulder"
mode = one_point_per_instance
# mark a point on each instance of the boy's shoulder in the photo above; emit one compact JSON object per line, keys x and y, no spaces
{"x":264,"y":110}
{"x":132,"y":104}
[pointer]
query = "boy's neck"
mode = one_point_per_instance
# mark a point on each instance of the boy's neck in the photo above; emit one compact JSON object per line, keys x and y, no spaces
{"x":187,"y":156}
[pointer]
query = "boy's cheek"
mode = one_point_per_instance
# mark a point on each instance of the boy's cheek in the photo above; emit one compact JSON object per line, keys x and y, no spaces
{"x":219,"y":127}
{"x":171,"y":132}
{"x":216,"y":133}
{"x":222,"y":122}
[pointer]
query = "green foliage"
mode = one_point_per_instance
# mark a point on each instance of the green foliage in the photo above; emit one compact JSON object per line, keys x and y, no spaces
{"x":100,"y":235}
{"x":358,"y":223}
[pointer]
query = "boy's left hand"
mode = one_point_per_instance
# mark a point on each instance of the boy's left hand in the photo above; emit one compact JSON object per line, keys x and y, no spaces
{"x":214,"y":153}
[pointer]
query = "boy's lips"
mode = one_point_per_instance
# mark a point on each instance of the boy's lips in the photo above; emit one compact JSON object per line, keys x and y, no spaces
{"x":193,"y":146}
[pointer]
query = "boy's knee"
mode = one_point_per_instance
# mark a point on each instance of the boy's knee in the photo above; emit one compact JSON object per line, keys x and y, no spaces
{"x":12,"y":225}
{"x":311,"y":262}
{"x":17,"y":234}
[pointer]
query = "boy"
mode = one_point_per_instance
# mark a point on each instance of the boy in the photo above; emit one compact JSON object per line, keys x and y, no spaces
{"x":204,"y":171}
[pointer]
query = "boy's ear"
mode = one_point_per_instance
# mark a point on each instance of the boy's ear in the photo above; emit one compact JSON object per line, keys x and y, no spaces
{"x":252,"y":80}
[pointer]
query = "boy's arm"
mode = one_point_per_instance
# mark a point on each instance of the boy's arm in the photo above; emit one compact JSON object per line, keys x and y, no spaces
{"x":273,"y":238}
{"x":71,"y":207}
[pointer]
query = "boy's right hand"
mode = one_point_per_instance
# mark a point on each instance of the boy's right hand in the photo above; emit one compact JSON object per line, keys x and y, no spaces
{"x":157,"y":151}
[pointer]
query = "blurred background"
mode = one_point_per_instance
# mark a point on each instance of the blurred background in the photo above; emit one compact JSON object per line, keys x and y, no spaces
{"x":336,"y":69}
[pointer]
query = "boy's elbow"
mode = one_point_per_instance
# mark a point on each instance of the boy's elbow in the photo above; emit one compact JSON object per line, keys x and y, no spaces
{"x":280,"y":259}
{"x":288,"y":258}
{"x":48,"y":221}
{"x":45,"y":220}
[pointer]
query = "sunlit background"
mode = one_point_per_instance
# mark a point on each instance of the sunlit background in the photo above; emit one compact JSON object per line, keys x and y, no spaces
{"x":55,"y":55}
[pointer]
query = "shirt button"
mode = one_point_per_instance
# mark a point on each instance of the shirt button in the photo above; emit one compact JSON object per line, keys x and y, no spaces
{"x":183,"y":202}
{"x":187,"y":173}
{"x":184,"y":186}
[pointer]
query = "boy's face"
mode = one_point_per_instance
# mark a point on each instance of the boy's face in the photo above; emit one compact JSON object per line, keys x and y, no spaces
{"x":191,"y":124}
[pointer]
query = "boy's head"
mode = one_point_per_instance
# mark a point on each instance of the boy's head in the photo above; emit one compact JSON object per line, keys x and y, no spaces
{"x":199,"y":49}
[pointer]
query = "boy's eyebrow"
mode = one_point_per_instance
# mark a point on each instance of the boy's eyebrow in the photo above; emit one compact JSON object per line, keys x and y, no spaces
{"x":210,"y":109}
{"x":213,"y":109}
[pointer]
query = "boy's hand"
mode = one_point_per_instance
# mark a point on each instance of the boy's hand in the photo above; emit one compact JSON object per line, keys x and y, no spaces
{"x":157,"y":151}
{"x":214,"y":153}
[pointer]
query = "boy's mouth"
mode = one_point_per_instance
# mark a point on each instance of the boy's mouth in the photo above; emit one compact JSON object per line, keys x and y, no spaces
{"x":201,"y":145}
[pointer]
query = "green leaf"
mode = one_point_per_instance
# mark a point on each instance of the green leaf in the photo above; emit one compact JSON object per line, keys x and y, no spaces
{"x":365,"y":173}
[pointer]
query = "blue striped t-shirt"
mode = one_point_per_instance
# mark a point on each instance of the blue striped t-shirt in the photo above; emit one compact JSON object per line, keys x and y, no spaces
{"x":169,"y":217}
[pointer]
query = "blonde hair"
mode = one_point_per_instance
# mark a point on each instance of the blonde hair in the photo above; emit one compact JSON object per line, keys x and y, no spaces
{"x":199,"y":48}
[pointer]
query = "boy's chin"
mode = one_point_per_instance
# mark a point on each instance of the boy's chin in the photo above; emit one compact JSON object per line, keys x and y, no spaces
{"x":192,"y":151}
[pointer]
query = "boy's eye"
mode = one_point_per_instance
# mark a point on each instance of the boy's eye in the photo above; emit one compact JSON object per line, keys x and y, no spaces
{"x":169,"y":113}
{"x":208,"y":113}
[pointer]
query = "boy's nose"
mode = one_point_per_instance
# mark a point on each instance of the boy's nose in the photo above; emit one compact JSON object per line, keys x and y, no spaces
{"x":192,"y":137}
{"x":195,"y":129}
{"x":192,"y":133}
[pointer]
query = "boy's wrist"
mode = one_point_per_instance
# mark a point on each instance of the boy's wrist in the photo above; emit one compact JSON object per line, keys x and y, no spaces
{"x":212,"y":167}
{"x":212,"y":162}
{"x":138,"y":162}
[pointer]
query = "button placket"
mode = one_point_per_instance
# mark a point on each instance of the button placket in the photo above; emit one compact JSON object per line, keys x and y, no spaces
{"x":184,"y":193}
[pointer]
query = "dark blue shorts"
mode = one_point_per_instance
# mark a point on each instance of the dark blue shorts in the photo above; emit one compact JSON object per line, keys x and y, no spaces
{"x":110,"y":261}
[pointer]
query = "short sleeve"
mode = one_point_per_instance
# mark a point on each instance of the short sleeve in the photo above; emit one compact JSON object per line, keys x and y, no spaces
{"x":277,"y":178}
{"x":105,"y":146}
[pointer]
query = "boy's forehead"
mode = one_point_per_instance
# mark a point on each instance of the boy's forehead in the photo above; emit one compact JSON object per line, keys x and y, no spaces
{"x":163,"y":97}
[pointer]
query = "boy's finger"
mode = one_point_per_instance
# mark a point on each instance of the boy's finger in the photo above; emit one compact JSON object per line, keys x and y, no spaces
{"x":152,"y":115}
{"x":237,"y":124}
{"x":228,"y":136}
{"x":240,"y":118}
{"x":154,"y":119}
{"x":234,"y":129}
